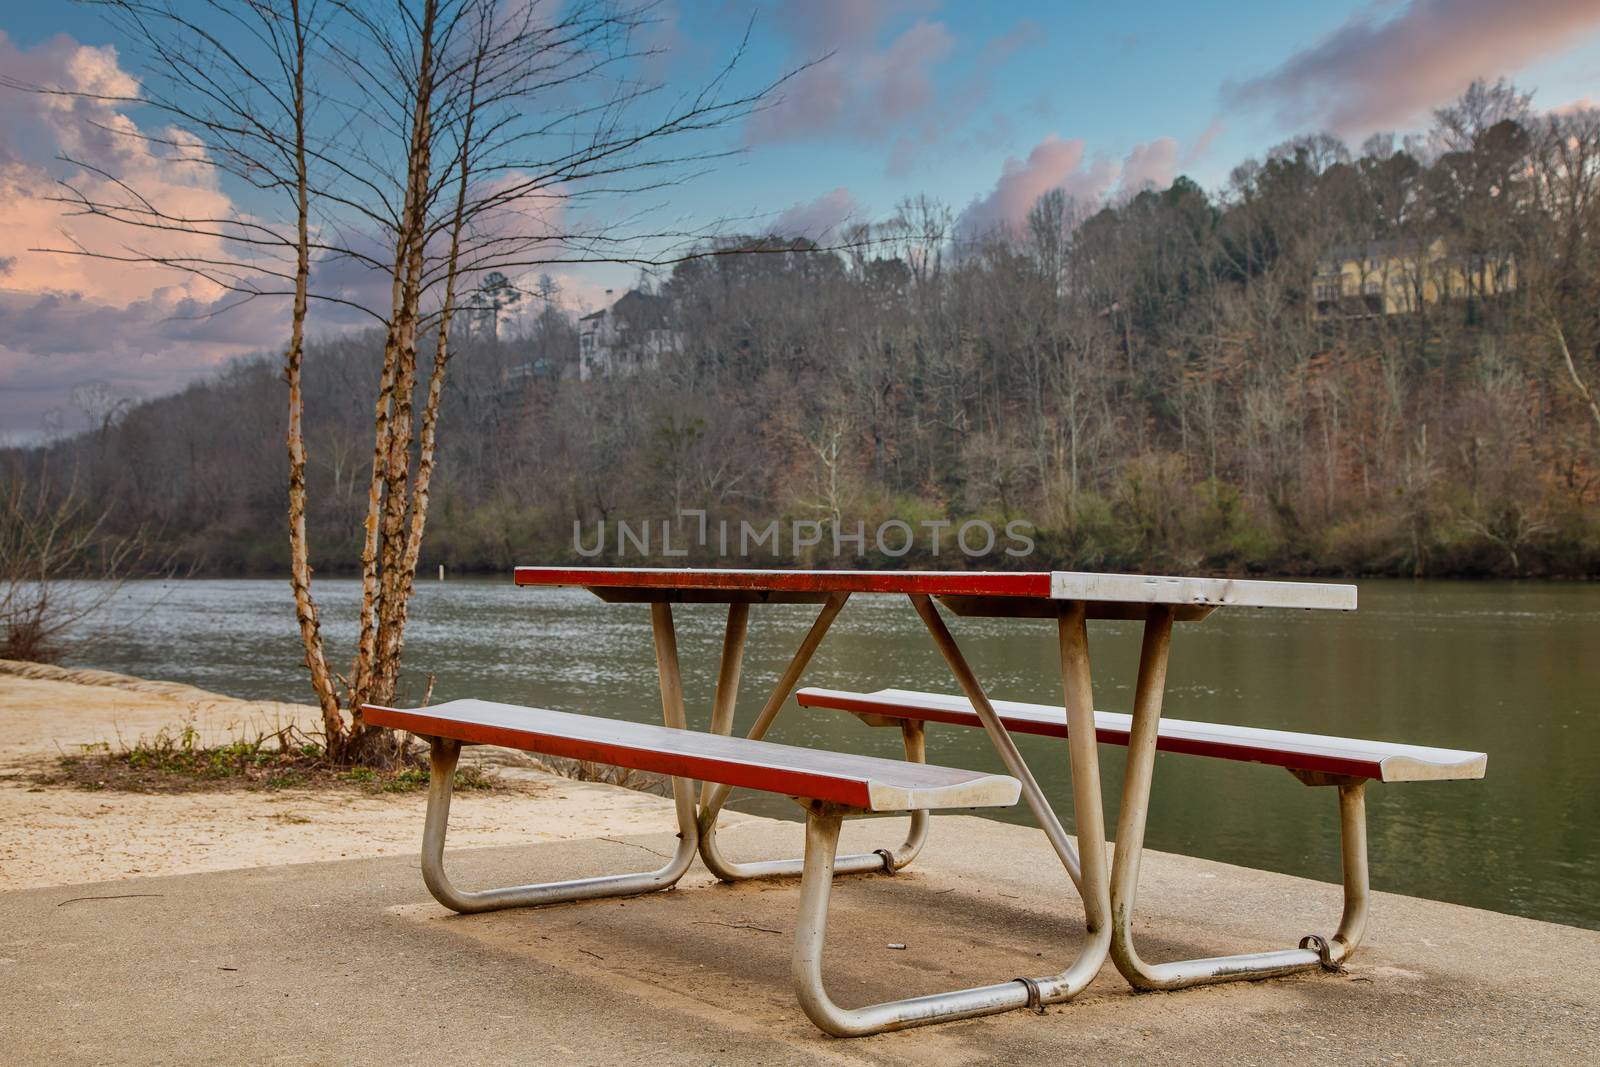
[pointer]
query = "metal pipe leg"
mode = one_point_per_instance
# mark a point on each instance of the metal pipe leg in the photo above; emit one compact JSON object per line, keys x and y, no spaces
{"x":1000,"y":737}
{"x":728,"y":671}
{"x":915,"y":737}
{"x":712,"y":797}
{"x":1353,"y":846}
{"x":880,"y":859}
{"x":1315,"y":951}
{"x":1088,"y":810}
{"x":816,"y":885}
{"x":711,"y":804}
{"x":444,"y":756}
{"x":1087,"y":872}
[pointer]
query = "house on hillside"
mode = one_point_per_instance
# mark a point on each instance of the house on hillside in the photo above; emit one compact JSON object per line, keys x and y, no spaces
{"x":634,"y":332}
{"x":1399,"y":276}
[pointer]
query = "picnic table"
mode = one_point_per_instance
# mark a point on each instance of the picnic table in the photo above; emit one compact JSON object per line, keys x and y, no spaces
{"x":839,"y":784}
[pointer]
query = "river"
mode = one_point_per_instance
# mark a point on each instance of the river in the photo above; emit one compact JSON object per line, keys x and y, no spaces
{"x":1510,"y":669}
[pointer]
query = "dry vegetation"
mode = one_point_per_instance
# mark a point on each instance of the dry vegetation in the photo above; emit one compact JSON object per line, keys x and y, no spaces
{"x":50,"y":537}
{"x":176,"y":761}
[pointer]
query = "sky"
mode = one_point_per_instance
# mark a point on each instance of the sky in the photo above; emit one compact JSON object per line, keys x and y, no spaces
{"x":982,"y":106}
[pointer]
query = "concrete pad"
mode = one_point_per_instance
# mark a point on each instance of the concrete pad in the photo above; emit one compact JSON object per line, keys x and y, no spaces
{"x":350,"y":962}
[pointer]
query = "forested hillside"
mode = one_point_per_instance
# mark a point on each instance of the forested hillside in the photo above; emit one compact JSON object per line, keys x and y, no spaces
{"x":1163,"y":384}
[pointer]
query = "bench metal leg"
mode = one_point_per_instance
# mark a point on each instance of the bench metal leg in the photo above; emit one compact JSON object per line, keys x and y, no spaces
{"x":444,"y":756}
{"x":816,"y":884}
{"x":1314,"y":951}
{"x":1088,"y":872}
{"x":712,"y":797}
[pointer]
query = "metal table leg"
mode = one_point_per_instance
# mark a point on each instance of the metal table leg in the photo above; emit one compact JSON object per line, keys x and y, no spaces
{"x":1088,"y":871}
{"x":712,"y":797}
{"x":1314,"y":951}
{"x":816,"y":886}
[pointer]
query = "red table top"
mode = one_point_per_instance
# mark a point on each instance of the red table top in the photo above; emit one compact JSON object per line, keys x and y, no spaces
{"x":930,"y":583}
{"x":965,"y":592}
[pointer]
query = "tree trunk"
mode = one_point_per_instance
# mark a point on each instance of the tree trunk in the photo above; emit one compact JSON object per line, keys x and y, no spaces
{"x":299,"y":551}
{"x":1572,"y":372}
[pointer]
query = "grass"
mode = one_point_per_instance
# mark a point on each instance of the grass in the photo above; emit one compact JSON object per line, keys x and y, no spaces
{"x":178,"y":762}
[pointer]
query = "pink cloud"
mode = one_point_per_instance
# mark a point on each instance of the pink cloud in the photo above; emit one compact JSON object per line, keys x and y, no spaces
{"x":900,"y":80}
{"x":827,"y":25}
{"x":1573,"y":107}
{"x":1054,"y":163}
{"x":1151,"y":165}
{"x":149,"y":329}
{"x":860,"y":88}
{"x":1058,"y":163}
{"x":1202,"y":144}
{"x":962,"y":102}
{"x":999,"y":49}
{"x":1051,"y":163}
{"x":817,"y":219}
{"x":65,"y":319}
{"x":1387,"y":66}
{"x":97,"y":133}
{"x":881,"y":84}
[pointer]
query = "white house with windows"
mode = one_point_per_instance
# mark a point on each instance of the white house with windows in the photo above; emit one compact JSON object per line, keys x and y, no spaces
{"x":633,"y":332}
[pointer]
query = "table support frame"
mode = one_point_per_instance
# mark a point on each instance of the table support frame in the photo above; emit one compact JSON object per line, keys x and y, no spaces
{"x":1088,"y":868}
{"x":713,"y":797}
{"x":1314,"y":950}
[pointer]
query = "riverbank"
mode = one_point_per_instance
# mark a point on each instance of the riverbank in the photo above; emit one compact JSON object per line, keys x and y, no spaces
{"x":65,"y":835}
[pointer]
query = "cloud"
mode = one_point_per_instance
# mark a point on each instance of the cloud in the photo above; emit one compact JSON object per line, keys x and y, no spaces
{"x":581,"y":289}
{"x":148,"y":330}
{"x":1389,"y":64}
{"x":818,"y":219}
{"x":1151,"y":165}
{"x":999,"y":49}
{"x":1054,"y":163}
{"x":899,"y":81}
{"x":883,"y":84}
{"x":95,"y":133}
{"x":1202,"y":144}
{"x":962,"y":103}
{"x":65,"y":319}
{"x":50,"y":342}
{"x":1573,"y":107}
{"x":860,"y":89}
{"x":1058,"y":163}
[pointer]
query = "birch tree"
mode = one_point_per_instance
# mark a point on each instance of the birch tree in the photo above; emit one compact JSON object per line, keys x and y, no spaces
{"x":392,"y":153}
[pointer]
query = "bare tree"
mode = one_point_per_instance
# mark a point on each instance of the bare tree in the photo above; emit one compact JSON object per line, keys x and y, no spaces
{"x":50,"y":536}
{"x":416,"y":143}
{"x":101,"y":404}
{"x":1578,"y":382}
{"x":1562,"y":262}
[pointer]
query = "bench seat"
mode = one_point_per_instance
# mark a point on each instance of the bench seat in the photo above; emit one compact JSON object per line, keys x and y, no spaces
{"x":1307,"y":753}
{"x":868,"y":783}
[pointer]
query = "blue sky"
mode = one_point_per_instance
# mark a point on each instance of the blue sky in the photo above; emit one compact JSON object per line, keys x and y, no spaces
{"x":981,"y":106}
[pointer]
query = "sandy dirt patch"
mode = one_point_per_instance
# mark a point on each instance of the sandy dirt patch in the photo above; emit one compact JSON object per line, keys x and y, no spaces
{"x":65,"y":835}
{"x":52,"y":711}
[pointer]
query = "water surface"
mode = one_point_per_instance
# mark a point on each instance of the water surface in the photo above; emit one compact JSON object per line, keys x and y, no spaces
{"x":1510,"y":669}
